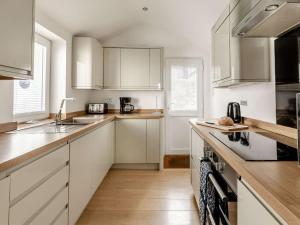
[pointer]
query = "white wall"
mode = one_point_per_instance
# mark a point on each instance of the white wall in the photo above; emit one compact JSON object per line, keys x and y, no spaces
{"x":6,"y":97}
{"x":62,"y":71}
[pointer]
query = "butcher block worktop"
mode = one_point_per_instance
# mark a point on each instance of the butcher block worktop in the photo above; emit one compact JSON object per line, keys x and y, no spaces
{"x":16,"y":148}
{"x":278,"y":183}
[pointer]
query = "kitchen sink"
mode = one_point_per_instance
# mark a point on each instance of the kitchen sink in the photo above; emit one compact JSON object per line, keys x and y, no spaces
{"x":50,"y":129}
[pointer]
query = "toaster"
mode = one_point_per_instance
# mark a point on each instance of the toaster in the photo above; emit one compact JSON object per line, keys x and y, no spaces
{"x":97,"y":108}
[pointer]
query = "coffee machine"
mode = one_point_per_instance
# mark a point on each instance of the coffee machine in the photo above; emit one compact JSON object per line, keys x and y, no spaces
{"x":125,"y":105}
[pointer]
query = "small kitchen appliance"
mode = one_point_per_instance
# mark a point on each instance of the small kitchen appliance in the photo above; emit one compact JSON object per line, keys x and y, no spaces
{"x":234,"y":112}
{"x":97,"y":108}
{"x":125,"y":105}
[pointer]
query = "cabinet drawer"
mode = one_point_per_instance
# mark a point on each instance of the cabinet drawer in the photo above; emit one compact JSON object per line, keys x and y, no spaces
{"x":27,"y":177}
{"x":197,"y":146}
{"x":53,"y":210}
{"x":29,"y":206}
{"x":4,"y":200}
{"x":62,"y":219}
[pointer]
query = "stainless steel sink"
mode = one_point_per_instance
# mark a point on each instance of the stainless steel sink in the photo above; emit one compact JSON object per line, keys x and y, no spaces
{"x":50,"y":129}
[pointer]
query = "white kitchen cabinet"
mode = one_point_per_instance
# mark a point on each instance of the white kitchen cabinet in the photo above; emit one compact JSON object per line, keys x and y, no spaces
{"x":87,"y":63}
{"x":153,"y":141}
{"x":21,"y":212}
{"x":221,"y":48}
{"x":237,"y":60}
{"x":251,"y":210}
{"x":135,"y":68}
{"x":90,"y":160}
{"x":197,"y":146}
{"x":131,"y":143}
{"x":137,"y":141}
{"x":4,"y":203}
{"x":155,"y":68}
{"x":16,"y":39}
{"x":112,"y":68}
{"x":197,"y":152}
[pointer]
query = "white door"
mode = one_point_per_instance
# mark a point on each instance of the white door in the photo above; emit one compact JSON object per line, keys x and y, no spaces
{"x":184,"y":97}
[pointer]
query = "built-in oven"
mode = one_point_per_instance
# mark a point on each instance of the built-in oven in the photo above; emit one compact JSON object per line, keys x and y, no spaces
{"x":223,"y":180}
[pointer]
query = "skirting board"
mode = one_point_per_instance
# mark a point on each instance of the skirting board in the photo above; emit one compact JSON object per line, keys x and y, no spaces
{"x":136,"y":166}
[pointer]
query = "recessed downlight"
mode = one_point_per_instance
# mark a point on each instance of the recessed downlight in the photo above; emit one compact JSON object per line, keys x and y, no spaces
{"x":272,"y":7}
{"x":145,"y":9}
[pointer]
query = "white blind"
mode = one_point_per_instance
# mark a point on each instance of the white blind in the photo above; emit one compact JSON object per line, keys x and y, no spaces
{"x":30,"y":95}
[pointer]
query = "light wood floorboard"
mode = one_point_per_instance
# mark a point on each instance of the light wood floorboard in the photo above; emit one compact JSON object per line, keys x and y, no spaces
{"x":133,"y":197}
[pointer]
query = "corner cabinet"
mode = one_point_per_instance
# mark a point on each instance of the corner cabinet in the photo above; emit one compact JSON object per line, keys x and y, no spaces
{"x":87,"y":63}
{"x":137,"y":141}
{"x":237,"y":60}
{"x":16,"y":39}
{"x":4,"y":203}
{"x":133,"y":68}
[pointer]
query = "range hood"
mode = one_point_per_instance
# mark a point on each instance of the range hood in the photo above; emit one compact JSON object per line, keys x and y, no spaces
{"x":269,"y":18}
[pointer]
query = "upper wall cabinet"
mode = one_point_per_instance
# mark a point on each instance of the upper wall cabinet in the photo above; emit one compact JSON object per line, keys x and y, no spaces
{"x":237,"y":60}
{"x":87,"y":63}
{"x":132,"y":68}
{"x":16,"y":39}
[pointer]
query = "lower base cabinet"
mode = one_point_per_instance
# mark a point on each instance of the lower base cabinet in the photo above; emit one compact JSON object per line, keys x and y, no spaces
{"x":4,"y":200}
{"x":251,"y":210}
{"x":137,"y":141}
{"x":91,"y":156}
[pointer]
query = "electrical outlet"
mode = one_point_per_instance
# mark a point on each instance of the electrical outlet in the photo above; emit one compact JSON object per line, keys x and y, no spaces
{"x":108,"y":100}
{"x":244,"y":102}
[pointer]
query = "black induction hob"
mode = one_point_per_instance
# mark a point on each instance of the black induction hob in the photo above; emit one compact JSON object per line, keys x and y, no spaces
{"x":252,"y":146}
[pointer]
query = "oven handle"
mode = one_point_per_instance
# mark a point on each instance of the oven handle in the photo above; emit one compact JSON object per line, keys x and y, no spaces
{"x":218,"y":188}
{"x":224,"y":216}
{"x":210,"y":216}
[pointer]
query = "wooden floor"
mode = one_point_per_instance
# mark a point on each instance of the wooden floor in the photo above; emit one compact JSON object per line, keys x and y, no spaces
{"x":143,"y":198}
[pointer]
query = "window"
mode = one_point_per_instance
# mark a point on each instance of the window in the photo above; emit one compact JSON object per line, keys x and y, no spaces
{"x":31,"y":97}
{"x":183,"y":85}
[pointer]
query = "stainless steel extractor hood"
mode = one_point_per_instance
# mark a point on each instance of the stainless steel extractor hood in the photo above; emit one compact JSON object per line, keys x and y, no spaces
{"x":269,"y":18}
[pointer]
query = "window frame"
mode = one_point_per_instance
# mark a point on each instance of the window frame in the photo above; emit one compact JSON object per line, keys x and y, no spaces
{"x":197,"y":62}
{"x":22,"y":117}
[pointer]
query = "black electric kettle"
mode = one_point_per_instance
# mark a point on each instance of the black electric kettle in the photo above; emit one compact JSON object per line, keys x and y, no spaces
{"x":234,"y":112}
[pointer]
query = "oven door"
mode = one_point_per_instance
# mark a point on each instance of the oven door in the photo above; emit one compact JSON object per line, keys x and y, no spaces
{"x":225,"y":210}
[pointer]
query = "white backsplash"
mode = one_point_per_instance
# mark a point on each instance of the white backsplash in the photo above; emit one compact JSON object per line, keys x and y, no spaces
{"x":140,"y":99}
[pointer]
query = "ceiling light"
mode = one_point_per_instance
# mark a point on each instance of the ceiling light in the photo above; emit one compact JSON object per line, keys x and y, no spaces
{"x":145,"y":9}
{"x":270,"y":8}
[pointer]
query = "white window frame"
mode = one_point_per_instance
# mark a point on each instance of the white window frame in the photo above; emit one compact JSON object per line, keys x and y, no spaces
{"x":21,"y":117}
{"x":181,"y":61}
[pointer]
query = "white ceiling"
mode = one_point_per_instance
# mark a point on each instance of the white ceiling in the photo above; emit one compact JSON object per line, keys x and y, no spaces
{"x":106,"y":19}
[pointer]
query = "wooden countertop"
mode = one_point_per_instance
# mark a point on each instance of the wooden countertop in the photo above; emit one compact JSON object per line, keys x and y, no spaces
{"x":278,"y":183}
{"x":18,"y":148}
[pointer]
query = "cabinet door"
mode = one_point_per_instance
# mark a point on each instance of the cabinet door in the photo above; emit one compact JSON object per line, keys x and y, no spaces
{"x":197,"y":146}
{"x":4,"y":203}
{"x":221,"y":47}
{"x":80,"y":176}
{"x":16,"y":39}
{"x":131,"y":141}
{"x":135,"y":68}
{"x":248,"y":206}
{"x":153,"y":141}
{"x":97,"y":64}
{"x":112,"y":67}
{"x":155,"y":69}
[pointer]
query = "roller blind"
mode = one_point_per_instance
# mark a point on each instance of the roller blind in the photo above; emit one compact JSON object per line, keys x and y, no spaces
{"x":30,"y":96}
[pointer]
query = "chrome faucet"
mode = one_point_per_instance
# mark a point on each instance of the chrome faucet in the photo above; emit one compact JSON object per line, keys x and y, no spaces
{"x":58,"y":116}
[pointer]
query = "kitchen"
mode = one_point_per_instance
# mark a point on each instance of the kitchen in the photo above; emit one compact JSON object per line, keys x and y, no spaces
{"x":147,"y":112}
